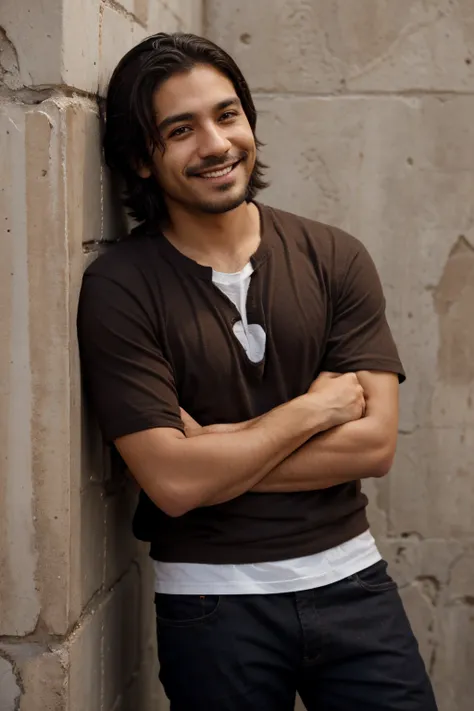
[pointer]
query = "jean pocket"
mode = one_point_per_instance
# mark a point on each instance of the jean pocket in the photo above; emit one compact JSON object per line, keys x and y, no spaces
{"x":375,"y":578}
{"x":185,"y":610}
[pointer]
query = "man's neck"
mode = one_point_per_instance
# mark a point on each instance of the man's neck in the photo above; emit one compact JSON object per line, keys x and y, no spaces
{"x":224,"y":241}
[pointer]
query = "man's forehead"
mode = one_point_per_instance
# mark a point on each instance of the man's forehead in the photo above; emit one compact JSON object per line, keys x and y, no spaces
{"x":199,"y":90}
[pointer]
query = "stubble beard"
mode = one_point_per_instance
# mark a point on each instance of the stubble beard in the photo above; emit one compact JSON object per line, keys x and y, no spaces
{"x":220,"y":205}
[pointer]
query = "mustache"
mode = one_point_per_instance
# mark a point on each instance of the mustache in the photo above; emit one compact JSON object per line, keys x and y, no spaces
{"x":214,"y":162}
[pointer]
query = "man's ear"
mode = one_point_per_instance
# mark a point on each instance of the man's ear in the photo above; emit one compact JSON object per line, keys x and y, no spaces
{"x":144,"y":171}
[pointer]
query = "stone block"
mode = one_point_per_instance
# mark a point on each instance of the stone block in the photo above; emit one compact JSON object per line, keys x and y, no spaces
{"x":127,"y":5}
{"x":354,"y":46}
{"x":84,"y":648}
{"x":92,"y":542}
{"x":138,"y":8}
{"x":51,"y":201}
{"x":56,"y":43}
{"x":9,"y":689}
{"x":19,"y":601}
{"x":437,"y":586}
{"x":116,"y":38}
{"x":43,"y":673}
{"x":190,"y":14}
{"x":80,"y":44}
{"x":20,"y":604}
{"x":461,"y":578}
{"x":104,"y":655}
{"x":84,"y":179}
{"x":49,"y":333}
{"x":84,"y":224}
{"x":34,"y":34}
{"x":162,"y":18}
{"x":141,"y":9}
{"x":121,"y":635}
{"x":431,"y":484}
{"x":455,"y":658}
{"x":121,"y":546}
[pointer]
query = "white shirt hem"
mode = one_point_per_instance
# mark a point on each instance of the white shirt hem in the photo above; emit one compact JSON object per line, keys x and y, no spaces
{"x":246,"y":586}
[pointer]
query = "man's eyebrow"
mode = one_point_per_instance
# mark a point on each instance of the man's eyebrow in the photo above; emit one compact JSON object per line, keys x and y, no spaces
{"x":174,"y":118}
{"x":188,"y":116}
{"x":231,"y":101}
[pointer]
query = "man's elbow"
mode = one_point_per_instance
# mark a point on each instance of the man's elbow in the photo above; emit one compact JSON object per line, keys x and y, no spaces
{"x":174,"y":504}
{"x":174,"y":501}
{"x":383,"y":460}
{"x":174,"y":509}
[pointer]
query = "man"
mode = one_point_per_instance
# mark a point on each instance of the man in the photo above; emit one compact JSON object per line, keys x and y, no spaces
{"x":239,"y":359}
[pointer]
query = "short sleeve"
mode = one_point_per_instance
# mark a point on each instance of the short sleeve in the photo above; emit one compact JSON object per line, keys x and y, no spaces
{"x":360,"y":337}
{"x":127,"y":379}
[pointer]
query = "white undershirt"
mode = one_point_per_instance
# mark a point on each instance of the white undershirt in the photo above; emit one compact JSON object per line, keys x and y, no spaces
{"x":292,"y":575}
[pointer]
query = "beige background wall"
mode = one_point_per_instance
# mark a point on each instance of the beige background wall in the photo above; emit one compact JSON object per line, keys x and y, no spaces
{"x":366,"y":108}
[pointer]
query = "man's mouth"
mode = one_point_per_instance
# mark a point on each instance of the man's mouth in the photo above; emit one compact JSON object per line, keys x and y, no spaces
{"x":218,"y":172}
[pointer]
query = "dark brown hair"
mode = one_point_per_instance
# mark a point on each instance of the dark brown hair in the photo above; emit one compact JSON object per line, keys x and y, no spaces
{"x":130,"y":125}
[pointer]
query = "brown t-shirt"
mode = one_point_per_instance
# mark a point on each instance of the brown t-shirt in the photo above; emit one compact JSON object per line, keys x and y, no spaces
{"x":155,"y":333}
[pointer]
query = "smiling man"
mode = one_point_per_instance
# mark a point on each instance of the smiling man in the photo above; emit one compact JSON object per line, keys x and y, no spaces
{"x":239,"y":359}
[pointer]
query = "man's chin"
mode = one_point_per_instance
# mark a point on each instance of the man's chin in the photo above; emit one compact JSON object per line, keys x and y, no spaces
{"x":221,"y":202}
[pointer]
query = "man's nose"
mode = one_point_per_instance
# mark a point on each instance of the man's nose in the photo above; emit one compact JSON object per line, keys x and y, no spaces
{"x":213,"y":142}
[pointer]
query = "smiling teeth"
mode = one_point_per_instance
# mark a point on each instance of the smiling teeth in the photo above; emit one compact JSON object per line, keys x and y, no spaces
{"x":217,"y":173}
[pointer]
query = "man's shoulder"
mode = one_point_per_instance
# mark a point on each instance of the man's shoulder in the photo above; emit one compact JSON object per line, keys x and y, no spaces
{"x":327,"y":241}
{"x":124,"y":260}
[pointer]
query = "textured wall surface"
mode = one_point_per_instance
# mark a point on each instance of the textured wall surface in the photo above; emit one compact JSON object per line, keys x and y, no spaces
{"x":366,"y":109}
{"x":76,"y":623}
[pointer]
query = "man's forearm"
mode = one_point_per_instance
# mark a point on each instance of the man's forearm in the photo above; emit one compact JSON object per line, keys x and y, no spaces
{"x":193,"y":428}
{"x":341,"y":395}
{"x":242,"y":459}
{"x":356,"y":450}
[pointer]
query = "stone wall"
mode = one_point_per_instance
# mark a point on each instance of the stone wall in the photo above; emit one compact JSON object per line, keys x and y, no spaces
{"x":366,"y":108}
{"x":76,"y":625}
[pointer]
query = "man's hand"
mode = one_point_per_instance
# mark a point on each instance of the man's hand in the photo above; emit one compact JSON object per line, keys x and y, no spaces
{"x":363,"y":447}
{"x":341,"y":396}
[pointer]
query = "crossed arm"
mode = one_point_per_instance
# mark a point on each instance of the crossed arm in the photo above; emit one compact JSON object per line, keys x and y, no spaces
{"x":355,"y":450}
{"x":295,"y":447}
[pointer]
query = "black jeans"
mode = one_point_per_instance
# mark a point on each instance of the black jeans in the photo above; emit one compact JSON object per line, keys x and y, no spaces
{"x":343,"y":647}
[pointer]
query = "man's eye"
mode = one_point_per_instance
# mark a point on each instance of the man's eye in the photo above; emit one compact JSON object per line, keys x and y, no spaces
{"x":227,"y":115}
{"x":179,"y":131}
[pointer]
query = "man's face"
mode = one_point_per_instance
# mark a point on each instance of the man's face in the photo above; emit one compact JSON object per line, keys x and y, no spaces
{"x":210,"y":149}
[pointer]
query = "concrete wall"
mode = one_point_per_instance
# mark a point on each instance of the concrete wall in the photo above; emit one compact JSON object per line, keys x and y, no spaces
{"x":366,"y":107}
{"x":76,"y":625}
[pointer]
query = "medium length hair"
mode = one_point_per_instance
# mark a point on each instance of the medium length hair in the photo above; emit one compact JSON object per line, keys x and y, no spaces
{"x":131,"y":133}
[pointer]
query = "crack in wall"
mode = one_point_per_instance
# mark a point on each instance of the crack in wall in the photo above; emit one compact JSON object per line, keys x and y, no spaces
{"x":35,"y":95}
{"x":9,"y":63}
{"x":406,"y":31}
{"x":16,"y":673}
{"x":176,"y":17}
{"x":41,"y":636}
{"x":117,"y":7}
